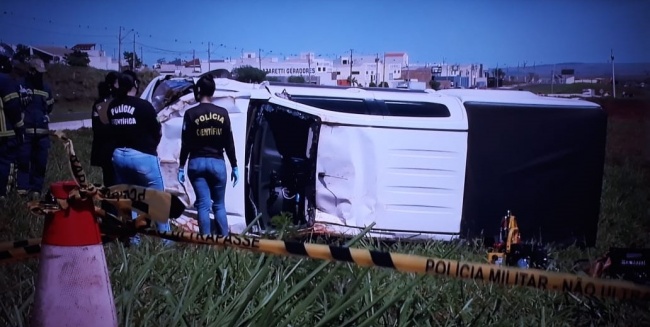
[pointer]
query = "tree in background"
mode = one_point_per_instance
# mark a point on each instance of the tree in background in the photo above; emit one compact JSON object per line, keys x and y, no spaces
{"x":77,"y":58}
{"x":296,"y":79}
{"x":372,"y":84}
{"x":249,"y":74}
{"x":161,"y":61}
{"x":272,"y":79}
{"x":176,"y":62}
{"x":383,"y":84}
{"x":128,"y":56}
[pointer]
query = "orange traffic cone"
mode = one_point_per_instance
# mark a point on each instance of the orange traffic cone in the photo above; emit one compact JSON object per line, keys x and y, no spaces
{"x":73,"y":286}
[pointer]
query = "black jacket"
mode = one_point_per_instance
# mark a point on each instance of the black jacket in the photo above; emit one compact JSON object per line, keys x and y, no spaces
{"x":134,"y":124}
{"x":207,"y":133}
{"x":102,"y":147}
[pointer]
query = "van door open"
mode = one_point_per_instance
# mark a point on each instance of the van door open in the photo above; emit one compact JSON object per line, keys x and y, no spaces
{"x":281,"y":145}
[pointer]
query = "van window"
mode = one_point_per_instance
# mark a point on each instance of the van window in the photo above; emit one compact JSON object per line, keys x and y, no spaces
{"x":351,"y":106}
{"x":416,"y":109}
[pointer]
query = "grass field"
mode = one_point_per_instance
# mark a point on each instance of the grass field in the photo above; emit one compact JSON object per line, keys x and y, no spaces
{"x":202,"y":286}
{"x":75,"y":89}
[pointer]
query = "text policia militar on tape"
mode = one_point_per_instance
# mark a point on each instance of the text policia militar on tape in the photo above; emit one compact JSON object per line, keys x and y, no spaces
{"x":530,"y":278}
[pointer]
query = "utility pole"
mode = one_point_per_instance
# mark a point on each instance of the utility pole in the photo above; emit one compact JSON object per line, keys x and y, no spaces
{"x":309,"y":66}
{"x":141,"y":56}
{"x":383,"y":74}
{"x":376,"y":80}
{"x":259,"y":57}
{"x":134,"y":53}
{"x":209,"y":56}
{"x":193,"y":61}
{"x":119,"y":50}
{"x":350,"y":67}
{"x":552,"y":78}
{"x":613,"y":76}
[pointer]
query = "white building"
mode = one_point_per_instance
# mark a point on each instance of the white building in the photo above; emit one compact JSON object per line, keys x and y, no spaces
{"x":463,"y":75}
{"x":56,"y":54}
{"x":98,"y":58}
{"x":364,"y":70}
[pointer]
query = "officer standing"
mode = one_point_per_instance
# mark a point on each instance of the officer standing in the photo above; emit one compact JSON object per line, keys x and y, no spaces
{"x":136,"y":134}
{"x":33,"y":153}
{"x":102,"y":150}
{"x":206,"y":134}
{"x":12,"y":128}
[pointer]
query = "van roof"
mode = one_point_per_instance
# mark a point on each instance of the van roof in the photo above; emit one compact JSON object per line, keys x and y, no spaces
{"x":338,"y":87}
{"x":515,"y":97}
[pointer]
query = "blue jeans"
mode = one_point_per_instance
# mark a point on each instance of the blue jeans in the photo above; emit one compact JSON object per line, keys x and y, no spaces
{"x":137,"y":168}
{"x":208,"y":178}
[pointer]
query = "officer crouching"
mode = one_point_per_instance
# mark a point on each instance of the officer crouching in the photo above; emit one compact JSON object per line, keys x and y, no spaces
{"x":37,"y":100}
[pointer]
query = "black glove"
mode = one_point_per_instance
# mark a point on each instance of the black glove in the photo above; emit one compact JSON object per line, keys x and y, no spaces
{"x":20,"y":134}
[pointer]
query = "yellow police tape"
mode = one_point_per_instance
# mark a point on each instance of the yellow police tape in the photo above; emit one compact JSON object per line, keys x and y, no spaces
{"x":501,"y":275}
{"x":11,"y":252}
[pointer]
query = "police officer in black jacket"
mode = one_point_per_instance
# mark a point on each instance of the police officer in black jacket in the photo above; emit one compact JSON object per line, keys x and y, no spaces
{"x":136,"y":133}
{"x":206,"y":134}
{"x":102,"y":150}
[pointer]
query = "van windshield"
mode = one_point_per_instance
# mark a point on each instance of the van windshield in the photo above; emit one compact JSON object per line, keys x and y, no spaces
{"x":168,"y":91}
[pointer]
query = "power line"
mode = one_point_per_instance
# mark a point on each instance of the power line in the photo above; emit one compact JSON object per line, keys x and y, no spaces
{"x":45,"y":26}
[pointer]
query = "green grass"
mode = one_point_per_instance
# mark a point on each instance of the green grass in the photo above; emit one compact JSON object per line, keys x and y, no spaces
{"x":75,"y":88}
{"x":204,"y":286}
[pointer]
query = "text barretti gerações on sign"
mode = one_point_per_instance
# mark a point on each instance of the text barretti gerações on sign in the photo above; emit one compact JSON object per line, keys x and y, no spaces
{"x":282,"y":71}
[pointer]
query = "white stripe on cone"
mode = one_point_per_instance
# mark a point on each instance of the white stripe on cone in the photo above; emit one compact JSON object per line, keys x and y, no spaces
{"x":73,"y":288}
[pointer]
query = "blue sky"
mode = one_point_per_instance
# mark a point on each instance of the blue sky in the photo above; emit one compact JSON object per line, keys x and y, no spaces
{"x":484,"y":31}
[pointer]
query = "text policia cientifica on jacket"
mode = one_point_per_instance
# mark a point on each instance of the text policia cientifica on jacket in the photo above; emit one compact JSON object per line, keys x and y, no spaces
{"x":206,"y":133}
{"x":134,"y":124}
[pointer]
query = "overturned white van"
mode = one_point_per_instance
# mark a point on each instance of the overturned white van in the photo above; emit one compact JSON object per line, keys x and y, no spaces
{"x":411,"y":162}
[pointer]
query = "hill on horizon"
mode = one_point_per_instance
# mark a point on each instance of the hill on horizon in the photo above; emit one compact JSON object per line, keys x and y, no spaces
{"x":585,"y":70}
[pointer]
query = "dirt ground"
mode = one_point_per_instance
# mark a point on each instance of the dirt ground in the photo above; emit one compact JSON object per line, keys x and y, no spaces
{"x":628,"y":135}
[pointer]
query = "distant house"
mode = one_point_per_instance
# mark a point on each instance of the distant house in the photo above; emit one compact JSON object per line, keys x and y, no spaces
{"x":85,"y":47}
{"x":567,"y":76}
{"x":50,"y":54}
{"x":98,"y":58}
